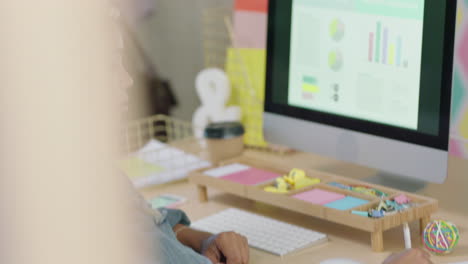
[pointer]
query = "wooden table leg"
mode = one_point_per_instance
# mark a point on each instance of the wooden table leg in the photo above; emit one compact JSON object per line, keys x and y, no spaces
{"x":423,"y":223}
{"x":377,"y":241}
{"x":202,"y":193}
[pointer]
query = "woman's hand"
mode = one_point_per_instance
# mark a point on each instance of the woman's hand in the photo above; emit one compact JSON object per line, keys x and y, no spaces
{"x":228,"y":248}
{"x":411,"y":256}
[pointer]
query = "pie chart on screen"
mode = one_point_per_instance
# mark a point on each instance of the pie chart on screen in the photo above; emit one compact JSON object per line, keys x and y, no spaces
{"x":335,"y":60}
{"x":337,"y":30}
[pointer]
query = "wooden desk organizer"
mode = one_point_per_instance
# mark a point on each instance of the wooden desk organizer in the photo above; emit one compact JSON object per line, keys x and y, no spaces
{"x":376,"y":226}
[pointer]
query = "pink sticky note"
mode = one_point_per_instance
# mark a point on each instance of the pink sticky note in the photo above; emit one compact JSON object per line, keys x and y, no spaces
{"x":402,"y":199}
{"x":251,"y":176}
{"x":250,"y":30}
{"x":318,"y":196}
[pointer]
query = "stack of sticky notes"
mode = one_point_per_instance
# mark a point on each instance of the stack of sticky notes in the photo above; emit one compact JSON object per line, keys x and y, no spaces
{"x":330,"y":199}
{"x":242,"y":174}
{"x":250,"y":24}
{"x":245,"y":65}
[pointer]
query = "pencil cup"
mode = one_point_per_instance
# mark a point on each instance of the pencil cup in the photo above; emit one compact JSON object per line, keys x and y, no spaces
{"x":224,"y":140}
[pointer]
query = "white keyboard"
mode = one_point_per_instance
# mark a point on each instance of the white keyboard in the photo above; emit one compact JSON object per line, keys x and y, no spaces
{"x":263,"y":233}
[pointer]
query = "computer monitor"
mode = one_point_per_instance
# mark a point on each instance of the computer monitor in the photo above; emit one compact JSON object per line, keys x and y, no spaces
{"x":363,"y":81}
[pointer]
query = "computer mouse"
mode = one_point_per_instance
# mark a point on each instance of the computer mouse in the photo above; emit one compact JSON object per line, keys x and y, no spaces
{"x":339,"y":261}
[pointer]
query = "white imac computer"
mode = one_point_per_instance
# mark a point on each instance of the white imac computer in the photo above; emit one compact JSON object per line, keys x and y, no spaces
{"x":363,"y":81}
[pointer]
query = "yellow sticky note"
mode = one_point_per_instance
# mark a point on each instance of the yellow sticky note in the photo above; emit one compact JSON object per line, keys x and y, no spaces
{"x":137,"y":168}
{"x":246,"y":71}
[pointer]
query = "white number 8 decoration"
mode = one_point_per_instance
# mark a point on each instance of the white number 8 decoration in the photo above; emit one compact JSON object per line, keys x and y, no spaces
{"x":213,"y":88}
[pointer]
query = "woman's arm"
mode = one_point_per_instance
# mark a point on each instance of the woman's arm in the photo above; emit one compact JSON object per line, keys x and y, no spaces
{"x":190,"y":237}
{"x":230,"y":243}
{"x":224,"y":247}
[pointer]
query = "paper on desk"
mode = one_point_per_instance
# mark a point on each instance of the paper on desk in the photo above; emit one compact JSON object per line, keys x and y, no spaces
{"x":136,"y":168}
{"x":318,"y":196}
{"x":246,"y":71}
{"x":226,"y":170}
{"x":158,"y":163}
{"x":250,"y":29}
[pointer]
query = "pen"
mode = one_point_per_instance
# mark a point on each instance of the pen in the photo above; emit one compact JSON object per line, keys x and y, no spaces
{"x":407,"y":235}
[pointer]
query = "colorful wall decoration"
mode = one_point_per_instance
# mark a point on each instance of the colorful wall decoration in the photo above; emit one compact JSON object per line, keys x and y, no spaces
{"x":246,"y":65}
{"x":459,"y":120}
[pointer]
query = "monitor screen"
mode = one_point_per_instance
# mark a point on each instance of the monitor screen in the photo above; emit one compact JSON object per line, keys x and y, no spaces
{"x":381,"y":67}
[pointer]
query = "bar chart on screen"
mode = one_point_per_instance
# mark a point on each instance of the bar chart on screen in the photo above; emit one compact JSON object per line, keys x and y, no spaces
{"x":386,"y":47}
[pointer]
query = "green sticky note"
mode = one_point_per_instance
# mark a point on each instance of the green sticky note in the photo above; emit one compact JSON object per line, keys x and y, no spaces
{"x":346,"y":203}
{"x":165,"y":201}
{"x":137,"y":168}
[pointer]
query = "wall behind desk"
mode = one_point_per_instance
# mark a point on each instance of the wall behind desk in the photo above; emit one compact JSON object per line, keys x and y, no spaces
{"x":173,"y":39}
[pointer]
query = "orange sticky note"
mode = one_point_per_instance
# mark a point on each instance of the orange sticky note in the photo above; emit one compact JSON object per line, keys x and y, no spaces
{"x":252,"y":5}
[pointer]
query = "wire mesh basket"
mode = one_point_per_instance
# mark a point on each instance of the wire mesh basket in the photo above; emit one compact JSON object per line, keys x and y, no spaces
{"x":161,"y":149}
{"x":216,"y":38}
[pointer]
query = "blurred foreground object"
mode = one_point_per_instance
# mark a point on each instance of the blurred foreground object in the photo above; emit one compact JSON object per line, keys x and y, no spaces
{"x":61,"y":200}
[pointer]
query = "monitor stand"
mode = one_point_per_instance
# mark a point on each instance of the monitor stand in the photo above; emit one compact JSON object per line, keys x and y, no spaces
{"x":397,"y":182}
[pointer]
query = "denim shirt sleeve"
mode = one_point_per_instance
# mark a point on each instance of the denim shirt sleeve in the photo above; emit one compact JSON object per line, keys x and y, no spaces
{"x":174,"y":217}
{"x":171,"y":251}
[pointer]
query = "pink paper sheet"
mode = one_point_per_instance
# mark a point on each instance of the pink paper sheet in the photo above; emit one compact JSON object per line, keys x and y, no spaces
{"x":252,"y":176}
{"x":318,"y":196}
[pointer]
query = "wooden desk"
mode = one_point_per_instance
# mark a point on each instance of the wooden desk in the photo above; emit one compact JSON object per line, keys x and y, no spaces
{"x":344,"y":242}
